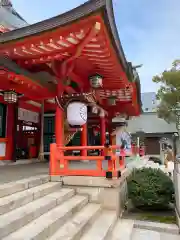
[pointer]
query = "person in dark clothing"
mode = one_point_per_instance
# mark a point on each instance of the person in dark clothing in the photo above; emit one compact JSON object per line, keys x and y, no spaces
{"x":123,"y":144}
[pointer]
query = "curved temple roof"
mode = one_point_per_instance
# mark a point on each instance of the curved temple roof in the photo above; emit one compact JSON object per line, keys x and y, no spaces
{"x":94,"y":13}
{"x":83,"y":11}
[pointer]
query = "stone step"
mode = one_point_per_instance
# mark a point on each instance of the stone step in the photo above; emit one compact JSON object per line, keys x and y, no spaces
{"x":45,"y":226}
{"x":21,"y":185}
{"x":76,"y":226}
{"x":122,"y":230}
{"x":101,"y":227}
{"x":167,"y":236}
{"x":142,"y":234}
{"x":19,"y":217}
{"x":19,"y":199}
{"x":155,"y":226}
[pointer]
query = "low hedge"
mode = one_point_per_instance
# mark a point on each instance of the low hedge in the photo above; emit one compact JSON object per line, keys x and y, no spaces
{"x":150,"y":189}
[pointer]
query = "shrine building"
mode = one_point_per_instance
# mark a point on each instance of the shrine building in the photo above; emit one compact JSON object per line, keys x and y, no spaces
{"x":69,"y":71}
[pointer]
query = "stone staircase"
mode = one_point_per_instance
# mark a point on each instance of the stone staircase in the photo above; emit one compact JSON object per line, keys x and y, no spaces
{"x":35,"y":208}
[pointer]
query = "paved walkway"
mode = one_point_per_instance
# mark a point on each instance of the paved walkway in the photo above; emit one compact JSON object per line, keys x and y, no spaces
{"x":11,"y":173}
{"x":18,"y":172}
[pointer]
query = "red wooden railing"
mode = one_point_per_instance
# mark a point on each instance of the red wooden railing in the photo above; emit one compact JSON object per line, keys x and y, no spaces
{"x":59,"y":163}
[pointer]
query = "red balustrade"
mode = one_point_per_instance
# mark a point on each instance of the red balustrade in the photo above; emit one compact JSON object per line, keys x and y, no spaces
{"x":59,"y":163}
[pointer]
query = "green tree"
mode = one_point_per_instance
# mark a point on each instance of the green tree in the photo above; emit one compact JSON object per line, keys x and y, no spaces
{"x":169,"y":93}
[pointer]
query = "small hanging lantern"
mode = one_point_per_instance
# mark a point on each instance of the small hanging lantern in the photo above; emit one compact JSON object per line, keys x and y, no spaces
{"x":10,"y":96}
{"x":112,"y":101}
{"x":96,"y":81}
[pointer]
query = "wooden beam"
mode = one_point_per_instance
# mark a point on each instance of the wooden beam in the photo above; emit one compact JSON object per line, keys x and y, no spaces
{"x":92,"y":33}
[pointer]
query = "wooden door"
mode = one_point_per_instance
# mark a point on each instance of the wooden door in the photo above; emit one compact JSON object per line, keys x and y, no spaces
{"x":152,"y":145}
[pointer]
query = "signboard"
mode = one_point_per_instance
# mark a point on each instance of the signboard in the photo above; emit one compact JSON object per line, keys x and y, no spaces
{"x":28,"y":116}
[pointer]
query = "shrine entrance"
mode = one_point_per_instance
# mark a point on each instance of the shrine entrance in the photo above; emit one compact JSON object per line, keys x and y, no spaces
{"x":49,"y":133}
{"x":27,"y":134}
{"x":27,"y":141}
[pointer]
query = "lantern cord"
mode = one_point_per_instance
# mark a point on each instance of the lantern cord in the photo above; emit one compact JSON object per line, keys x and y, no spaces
{"x":58,"y":103}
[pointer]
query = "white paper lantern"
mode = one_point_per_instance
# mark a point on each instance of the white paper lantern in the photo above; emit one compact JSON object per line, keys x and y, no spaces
{"x":77,"y":114}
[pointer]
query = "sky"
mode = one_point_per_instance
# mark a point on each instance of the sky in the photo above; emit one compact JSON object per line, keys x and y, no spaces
{"x":149,"y":30}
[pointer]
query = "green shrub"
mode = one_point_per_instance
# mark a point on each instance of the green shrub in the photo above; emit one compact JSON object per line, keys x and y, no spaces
{"x":150,"y":189}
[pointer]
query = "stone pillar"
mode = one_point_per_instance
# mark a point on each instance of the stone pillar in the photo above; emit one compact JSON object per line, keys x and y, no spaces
{"x":161,"y":152}
{"x":177,"y":188}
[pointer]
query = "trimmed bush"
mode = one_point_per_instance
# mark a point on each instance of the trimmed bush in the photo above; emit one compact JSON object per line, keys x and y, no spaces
{"x":150,"y":189}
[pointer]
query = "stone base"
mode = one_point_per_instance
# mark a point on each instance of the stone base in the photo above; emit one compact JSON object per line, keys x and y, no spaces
{"x":111,"y":194}
{"x":55,"y":178}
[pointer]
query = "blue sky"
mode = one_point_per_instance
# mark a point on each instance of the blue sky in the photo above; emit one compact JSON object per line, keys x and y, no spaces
{"x":149,"y":30}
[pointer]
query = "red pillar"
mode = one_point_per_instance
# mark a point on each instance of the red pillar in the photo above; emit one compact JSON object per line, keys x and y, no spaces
{"x":59,"y":133}
{"x":84,"y":141}
{"x":59,"y":126}
{"x":57,"y":160}
{"x":10,"y":131}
